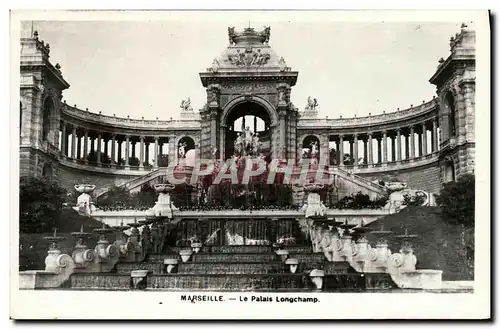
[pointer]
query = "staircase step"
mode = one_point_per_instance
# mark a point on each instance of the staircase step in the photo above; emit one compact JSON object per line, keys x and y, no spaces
{"x":126,"y":268}
{"x":235,"y":258}
{"x":245,"y":249}
{"x":232,"y":282}
{"x":229,"y":282}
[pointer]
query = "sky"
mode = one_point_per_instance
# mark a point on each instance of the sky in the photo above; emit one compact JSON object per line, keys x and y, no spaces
{"x":146,"y":68}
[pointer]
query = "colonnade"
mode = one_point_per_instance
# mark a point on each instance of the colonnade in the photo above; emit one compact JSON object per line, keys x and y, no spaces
{"x":394,"y":145}
{"x":103,"y":148}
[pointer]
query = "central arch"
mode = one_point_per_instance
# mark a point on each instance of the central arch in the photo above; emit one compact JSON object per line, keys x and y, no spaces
{"x":248,"y":113}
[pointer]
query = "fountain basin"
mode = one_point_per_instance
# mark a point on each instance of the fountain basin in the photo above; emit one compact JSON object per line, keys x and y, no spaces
{"x":171,"y":264}
{"x":196,"y":246}
{"x":85,"y":188}
{"x":293,"y":263}
{"x":317,"y":278}
{"x":185,"y":254}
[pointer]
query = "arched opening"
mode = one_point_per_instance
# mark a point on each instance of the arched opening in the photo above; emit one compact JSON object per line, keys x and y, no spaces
{"x":247,"y":131}
{"x":449,"y":172}
{"x":449,"y":102}
{"x":310,"y":148}
{"x":185,"y":145}
{"x":47,"y":170}
{"x":48,"y":108}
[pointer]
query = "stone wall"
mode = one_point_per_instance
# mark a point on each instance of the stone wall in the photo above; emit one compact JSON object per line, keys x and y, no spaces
{"x":68,"y":177}
{"x":427,"y":178}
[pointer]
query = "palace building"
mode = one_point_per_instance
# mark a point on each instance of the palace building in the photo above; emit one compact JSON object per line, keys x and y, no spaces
{"x":423,"y":146}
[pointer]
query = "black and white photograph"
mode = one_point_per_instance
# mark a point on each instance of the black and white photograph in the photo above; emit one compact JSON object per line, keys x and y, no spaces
{"x":319,"y":162}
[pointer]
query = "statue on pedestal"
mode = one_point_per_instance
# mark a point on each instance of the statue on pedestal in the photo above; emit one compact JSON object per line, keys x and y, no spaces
{"x":238,"y":145}
{"x":182,"y":150}
{"x":186,"y":105}
{"x":312,"y":104}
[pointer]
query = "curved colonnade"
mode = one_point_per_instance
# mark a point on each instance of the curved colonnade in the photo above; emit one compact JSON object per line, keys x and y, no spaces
{"x":404,"y":139}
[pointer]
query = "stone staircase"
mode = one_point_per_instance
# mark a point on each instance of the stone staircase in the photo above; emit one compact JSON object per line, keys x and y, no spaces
{"x":235,"y":268}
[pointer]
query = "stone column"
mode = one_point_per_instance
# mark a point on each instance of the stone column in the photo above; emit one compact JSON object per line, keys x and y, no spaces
{"x":355,"y":151}
{"x":365,"y":151}
{"x":106,"y":142}
{"x":99,"y":148}
{"x":384,"y":137}
{"x":222,"y":132}
{"x":434,"y":136}
{"x":407,"y":146}
{"x":351,"y":150}
{"x":379,"y":150}
{"x":412,"y":142}
{"x":337,"y":148}
{"x":63,"y":138}
{"x":213,"y":129}
{"x":73,"y":143}
{"x":370,"y":149}
{"x":85,"y":146}
{"x":127,"y":150}
{"x":141,"y":153}
{"x":171,"y":149}
{"x":113,"y":149}
{"x":419,"y":144}
{"x":341,"y":150}
{"x":282,"y":149}
{"x":424,"y":139}
{"x":399,"y":143}
{"x":156,"y":152}
{"x":393,"y":148}
{"x":146,"y":151}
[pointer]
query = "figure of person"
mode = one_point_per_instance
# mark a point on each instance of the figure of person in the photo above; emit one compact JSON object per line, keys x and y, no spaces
{"x":314,"y":149}
{"x":248,"y":137}
{"x":182,"y":150}
{"x":255,"y":143}
{"x":238,"y":144}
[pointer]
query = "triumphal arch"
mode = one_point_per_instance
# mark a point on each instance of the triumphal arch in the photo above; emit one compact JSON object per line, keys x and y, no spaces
{"x":249,"y":80}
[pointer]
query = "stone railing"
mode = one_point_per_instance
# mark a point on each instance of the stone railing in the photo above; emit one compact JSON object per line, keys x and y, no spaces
{"x":102,"y":119}
{"x":385,"y":118}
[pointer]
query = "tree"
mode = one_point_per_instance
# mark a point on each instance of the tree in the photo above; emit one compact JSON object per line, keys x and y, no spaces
{"x":40,"y":204}
{"x":457,"y":199}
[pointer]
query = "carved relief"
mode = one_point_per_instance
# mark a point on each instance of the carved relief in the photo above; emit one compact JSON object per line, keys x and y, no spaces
{"x":249,"y":57}
{"x":255,"y":87}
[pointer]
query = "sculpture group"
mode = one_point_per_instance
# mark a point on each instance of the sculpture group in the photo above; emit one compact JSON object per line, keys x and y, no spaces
{"x":247,"y":143}
{"x":249,"y":57}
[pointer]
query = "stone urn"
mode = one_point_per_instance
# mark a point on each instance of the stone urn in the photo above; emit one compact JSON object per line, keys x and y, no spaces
{"x":317,"y":278}
{"x":139,"y":279}
{"x":293,"y":264}
{"x":85,"y":188}
{"x":282,"y":253}
{"x":170,"y":264}
{"x":196,"y":246}
{"x":185,"y":254}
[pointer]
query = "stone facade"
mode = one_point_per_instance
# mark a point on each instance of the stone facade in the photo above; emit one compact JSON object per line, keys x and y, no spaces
{"x":423,"y":145}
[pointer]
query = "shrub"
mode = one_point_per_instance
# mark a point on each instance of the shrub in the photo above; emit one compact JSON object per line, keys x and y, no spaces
{"x":456,"y":200}
{"x":40,"y":204}
{"x":413,"y":200}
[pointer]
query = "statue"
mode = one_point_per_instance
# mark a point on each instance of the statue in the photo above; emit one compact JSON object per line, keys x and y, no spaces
{"x":182,"y":150}
{"x":232,"y":35}
{"x":248,"y":137}
{"x":266,"y":34}
{"x":255,"y":144}
{"x":238,"y":145}
{"x":186,"y":105}
{"x":312,"y":104}
{"x":314,"y":149}
{"x":281,"y":96}
{"x":215,"y":65}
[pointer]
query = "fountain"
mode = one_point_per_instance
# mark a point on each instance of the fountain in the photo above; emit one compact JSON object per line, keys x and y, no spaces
{"x":81,"y":255}
{"x":84,"y":204}
{"x":107,"y":254}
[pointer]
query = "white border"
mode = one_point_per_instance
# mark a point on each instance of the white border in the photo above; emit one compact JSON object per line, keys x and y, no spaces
{"x":145,"y":305}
